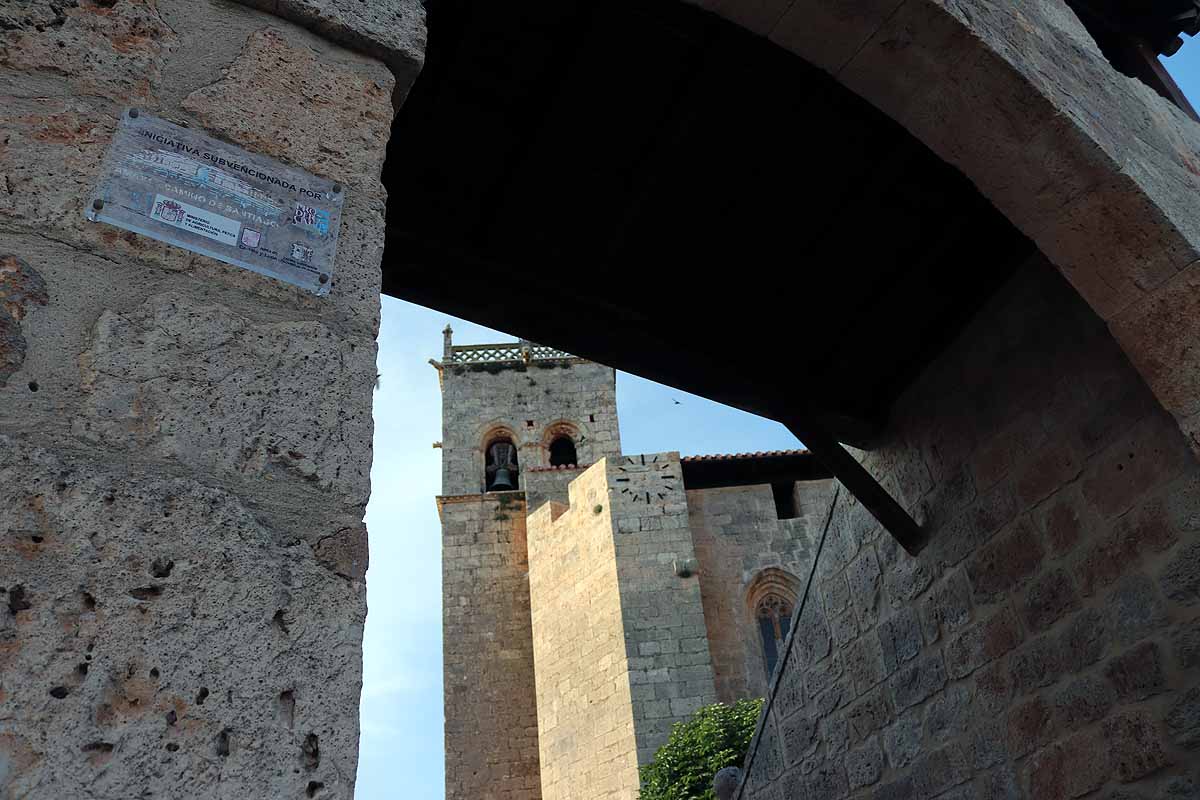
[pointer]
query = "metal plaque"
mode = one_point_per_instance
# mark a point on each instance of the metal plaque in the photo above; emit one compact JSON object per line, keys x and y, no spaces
{"x":190,"y":190}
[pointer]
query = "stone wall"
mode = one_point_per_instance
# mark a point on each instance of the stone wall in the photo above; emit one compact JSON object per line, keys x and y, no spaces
{"x":670,"y":667}
{"x":1044,"y":644}
{"x":620,"y":645}
{"x":584,"y":704}
{"x":490,"y":706}
{"x":527,"y":401}
{"x":737,"y":535}
{"x":184,"y":445}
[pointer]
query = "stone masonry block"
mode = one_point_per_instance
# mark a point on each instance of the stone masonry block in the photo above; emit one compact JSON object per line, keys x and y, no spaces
{"x":1049,"y":598}
{"x":1070,"y":768}
{"x":1050,"y":468}
{"x":1149,"y":455}
{"x":1030,"y":726}
{"x":1136,"y":608}
{"x":948,"y":714}
{"x":1135,"y":746}
{"x":1185,"y":644}
{"x":1083,"y":700}
{"x":1004,"y":562}
{"x":864,"y":765}
{"x":868,"y":714}
{"x":1138,"y":672}
{"x":1037,"y":663}
{"x":865,"y":662}
{"x":864,"y":580}
{"x":1086,"y":639}
{"x":124,"y":628}
{"x":981,"y":643}
{"x":1183,"y":720}
{"x":902,"y":741}
{"x":1142,"y":531}
{"x":1180,"y":580}
{"x":921,"y":679}
{"x":900,"y":638}
{"x":173,"y":379}
{"x":947,"y":607}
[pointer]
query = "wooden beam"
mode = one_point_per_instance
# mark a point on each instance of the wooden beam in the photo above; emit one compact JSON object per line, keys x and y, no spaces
{"x":861,"y":484}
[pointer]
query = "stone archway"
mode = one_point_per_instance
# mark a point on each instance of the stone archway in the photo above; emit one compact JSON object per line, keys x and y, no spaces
{"x":1097,"y":169}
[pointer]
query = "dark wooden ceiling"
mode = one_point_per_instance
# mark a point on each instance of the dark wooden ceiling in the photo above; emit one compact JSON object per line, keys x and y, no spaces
{"x":641,"y":183}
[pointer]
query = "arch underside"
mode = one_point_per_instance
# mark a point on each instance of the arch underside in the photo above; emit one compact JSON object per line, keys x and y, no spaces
{"x":652,"y":187}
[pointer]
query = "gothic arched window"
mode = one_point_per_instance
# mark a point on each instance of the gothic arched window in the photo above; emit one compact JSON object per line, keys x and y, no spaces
{"x":771,"y":600}
{"x":774,"y":614}
{"x":501,"y":470}
{"x":562,"y":452}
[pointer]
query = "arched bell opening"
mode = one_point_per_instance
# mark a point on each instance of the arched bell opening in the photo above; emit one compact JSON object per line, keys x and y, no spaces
{"x":501,"y":467}
{"x":562,"y":452}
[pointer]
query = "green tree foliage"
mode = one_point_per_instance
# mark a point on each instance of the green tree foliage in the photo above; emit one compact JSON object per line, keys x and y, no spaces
{"x":717,"y":736}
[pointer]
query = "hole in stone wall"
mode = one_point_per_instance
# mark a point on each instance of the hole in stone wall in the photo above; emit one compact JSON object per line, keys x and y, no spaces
{"x":161,"y":568}
{"x":223,"y":743}
{"x":37,"y":539}
{"x":89,"y":602}
{"x":279,"y":622}
{"x":591,"y":417}
{"x":313,"y":788}
{"x":154,"y":673}
{"x":98,"y":747}
{"x":201,"y":695}
{"x":171,"y":746}
{"x":33,"y":386}
{"x":287,"y":707}
{"x":82,"y":669}
{"x":145,"y":592}
{"x":59,"y":692}
{"x":310,"y":752}
{"x":17,"y":600}
{"x":785,"y":500}
{"x":172,"y":717}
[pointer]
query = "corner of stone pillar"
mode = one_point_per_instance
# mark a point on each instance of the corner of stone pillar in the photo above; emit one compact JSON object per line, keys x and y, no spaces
{"x":185,"y":446}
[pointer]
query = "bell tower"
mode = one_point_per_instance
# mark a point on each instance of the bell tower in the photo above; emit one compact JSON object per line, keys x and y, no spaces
{"x":519,"y":421}
{"x":508,"y":408}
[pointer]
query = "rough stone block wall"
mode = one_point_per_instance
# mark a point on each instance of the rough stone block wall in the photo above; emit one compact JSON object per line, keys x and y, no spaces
{"x":184,"y":445}
{"x":584,"y":704}
{"x":490,"y":705}
{"x":1044,"y":644}
{"x":737,"y":535}
{"x":666,"y":640}
{"x":528,"y":401}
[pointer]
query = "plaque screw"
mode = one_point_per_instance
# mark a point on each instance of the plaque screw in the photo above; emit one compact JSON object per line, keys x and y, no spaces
{"x":323,"y":278}
{"x":97,"y":204}
{"x":337,"y":188}
{"x":133,"y":113}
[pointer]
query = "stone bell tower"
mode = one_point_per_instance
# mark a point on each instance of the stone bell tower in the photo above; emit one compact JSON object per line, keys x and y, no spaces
{"x":519,"y":421}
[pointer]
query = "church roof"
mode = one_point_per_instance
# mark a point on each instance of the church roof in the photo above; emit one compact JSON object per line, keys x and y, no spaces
{"x":743,"y":456}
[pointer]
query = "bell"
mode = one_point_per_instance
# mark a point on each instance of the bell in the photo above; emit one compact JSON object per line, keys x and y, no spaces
{"x":503,"y":479}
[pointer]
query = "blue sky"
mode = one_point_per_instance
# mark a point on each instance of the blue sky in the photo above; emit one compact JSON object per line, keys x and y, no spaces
{"x":401,"y":745}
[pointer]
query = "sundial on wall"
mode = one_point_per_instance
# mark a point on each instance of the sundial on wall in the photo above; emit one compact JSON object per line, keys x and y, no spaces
{"x":645,"y":480}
